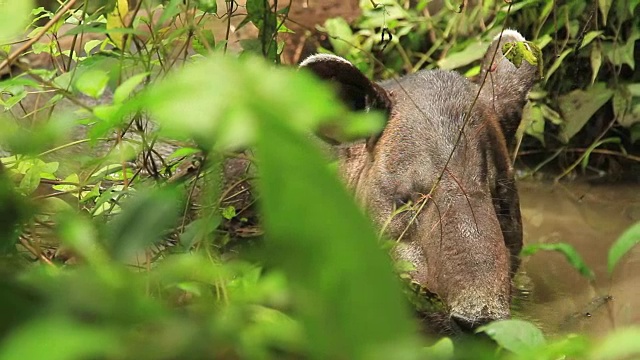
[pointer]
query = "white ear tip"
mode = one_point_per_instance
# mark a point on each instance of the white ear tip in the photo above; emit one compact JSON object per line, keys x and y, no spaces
{"x":317,"y":58}
{"x":511,"y":33}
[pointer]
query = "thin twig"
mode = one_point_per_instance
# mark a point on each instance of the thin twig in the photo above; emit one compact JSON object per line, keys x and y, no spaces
{"x":14,"y":55}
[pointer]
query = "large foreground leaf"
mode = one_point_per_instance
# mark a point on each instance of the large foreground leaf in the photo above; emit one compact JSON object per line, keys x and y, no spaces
{"x":517,"y":336}
{"x":345,"y":289}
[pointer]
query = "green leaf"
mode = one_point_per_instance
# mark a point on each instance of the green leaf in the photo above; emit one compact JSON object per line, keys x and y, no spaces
{"x":210,"y":6}
{"x":92,"y":83}
{"x":73,"y":178}
{"x":182,"y":152}
{"x":533,"y":121}
{"x":229,"y":212}
{"x":620,"y":54}
{"x":340,"y":35}
{"x":30,"y":181}
{"x":14,"y":17}
{"x":188,"y":106}
{"x":126,"y":88}
{"x":551,"y":114}
{"x":620,"y":344}
{"x":589,"y":37}
{"x":604,"y":6}
{"x":569,"y":252}
{"x":578,"y":107}
{"x":93,"y":193}
{"x":518,"y":51}
{"x":518,"y":336}
{"x":572,"y":346}
{"x":442,"y":349}
{"x":64,"y":339}
{"x":143,"y":221}
{"x":79,"y":234}
{"x":596,"y":61}
{"x":204,"y":42}
{"x":595,"y":145}
{"x":556,"y":64}
{"x":198,"y":230}
{"x":333,"y":265}
{"x":115,"y":22}
{"x":626,"y":242}
{"x":473,"y":52}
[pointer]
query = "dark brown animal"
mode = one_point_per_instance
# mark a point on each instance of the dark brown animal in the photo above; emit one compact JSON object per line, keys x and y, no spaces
{"x":462,"y":231}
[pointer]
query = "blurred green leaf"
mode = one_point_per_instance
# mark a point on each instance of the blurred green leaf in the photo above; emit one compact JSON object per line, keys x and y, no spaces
{"x":14,"y":17}
{"x":92,"y":83}
{"x":14,"y":211}
{"x":518,"y":336}
{"x":210,"y":6}
{"x":473,"y":52}
{"x":143,"y":221}
{"x":341,"y":312}
{"x":533,"y":121}
{"x":188,"y":105}
{"x":340,"y":35}
{"x":565,"y":249}
{"x":198,"y":230}
{"x":443,"y":349}
{"x":80,"y":235}
{"x":59,"y":338}
{"x":72,"y":178}
{"x":126,"y":88}
{"x":620,"y":344}
{"x":626,"y":242}
{"x":30,"y":181}
{"x":572,"y":346}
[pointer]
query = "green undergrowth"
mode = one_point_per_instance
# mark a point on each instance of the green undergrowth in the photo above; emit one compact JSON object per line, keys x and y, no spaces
{"x":120,"y":238}
{"x":583,"y":117}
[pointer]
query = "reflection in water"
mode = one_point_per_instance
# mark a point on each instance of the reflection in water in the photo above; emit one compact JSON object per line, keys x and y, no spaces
{"x":590,"y":218}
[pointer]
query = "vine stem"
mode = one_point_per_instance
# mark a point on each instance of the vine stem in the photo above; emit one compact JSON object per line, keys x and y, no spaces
{"x":14,"y":55}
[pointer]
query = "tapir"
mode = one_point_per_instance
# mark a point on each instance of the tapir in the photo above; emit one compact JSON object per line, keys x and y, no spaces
{"x":438,"y":178}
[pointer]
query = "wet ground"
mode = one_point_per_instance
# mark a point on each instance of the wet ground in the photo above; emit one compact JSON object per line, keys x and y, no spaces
{"x":590,"y":218}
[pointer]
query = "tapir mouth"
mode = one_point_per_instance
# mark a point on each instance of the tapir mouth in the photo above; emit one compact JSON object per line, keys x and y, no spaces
{"x":439,"y":318}
{"x":451,"y":324}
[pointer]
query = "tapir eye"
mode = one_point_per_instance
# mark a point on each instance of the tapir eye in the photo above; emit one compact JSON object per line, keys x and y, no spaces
{"x":412,"y":198}
{"x":401,"y":200}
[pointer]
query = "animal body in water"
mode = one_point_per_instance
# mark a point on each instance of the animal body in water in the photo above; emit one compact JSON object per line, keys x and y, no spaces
{"x":444,"y":157}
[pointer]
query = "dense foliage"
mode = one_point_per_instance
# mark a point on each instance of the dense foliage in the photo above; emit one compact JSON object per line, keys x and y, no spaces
{"x":121,"y":238}
{"x":585,"y":114}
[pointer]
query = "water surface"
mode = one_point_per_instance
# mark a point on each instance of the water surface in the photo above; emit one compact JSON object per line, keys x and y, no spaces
{"x":590,"y":218}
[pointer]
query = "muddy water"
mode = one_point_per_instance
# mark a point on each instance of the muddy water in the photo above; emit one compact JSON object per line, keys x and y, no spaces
{"x":589,"y":217}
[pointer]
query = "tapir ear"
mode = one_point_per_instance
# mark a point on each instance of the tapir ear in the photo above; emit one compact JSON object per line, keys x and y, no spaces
{"x":506,"y":87}
{"x":355,"y":89}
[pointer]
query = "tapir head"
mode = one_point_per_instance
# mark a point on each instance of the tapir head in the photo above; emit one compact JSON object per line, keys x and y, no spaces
{"x":438,"y":178}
